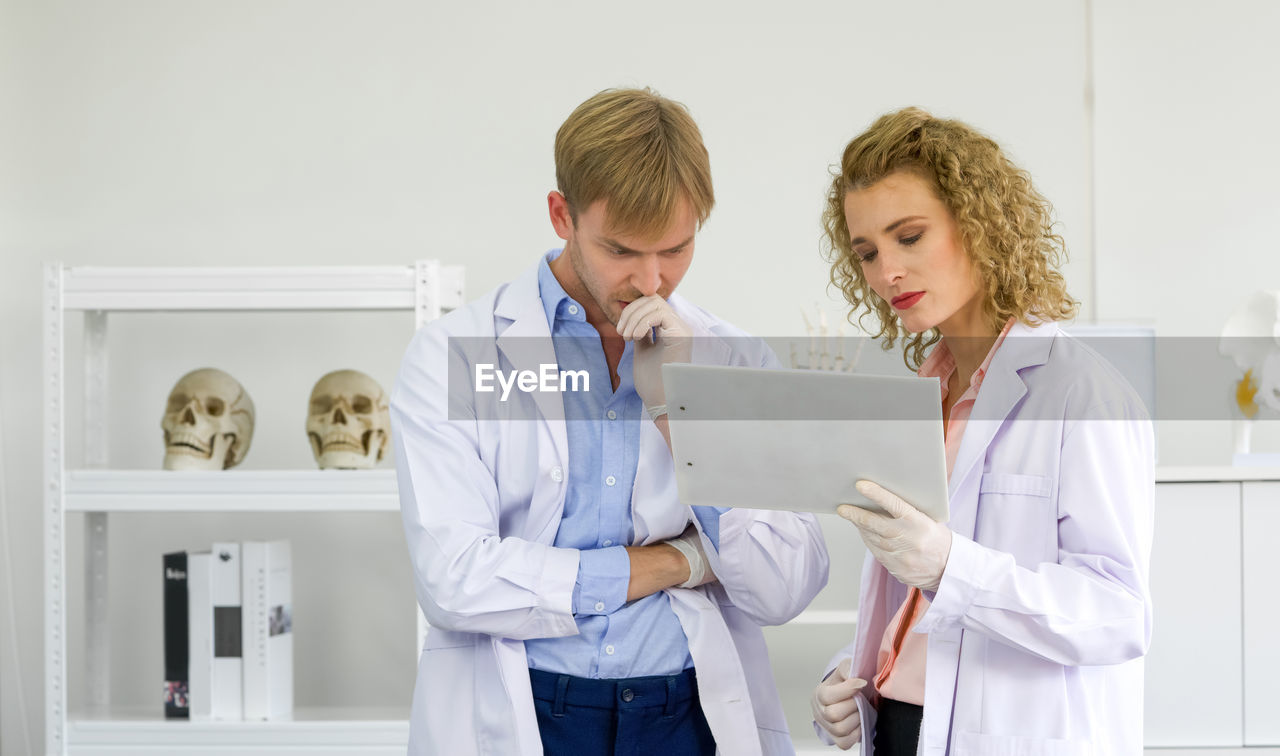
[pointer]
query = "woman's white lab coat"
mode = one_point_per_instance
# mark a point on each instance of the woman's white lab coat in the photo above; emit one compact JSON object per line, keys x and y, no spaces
{"x":1043,"y":615}
{"x":481,"y":501}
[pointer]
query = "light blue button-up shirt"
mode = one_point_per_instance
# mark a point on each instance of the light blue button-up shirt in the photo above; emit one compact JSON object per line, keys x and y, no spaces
{"x":615,"y":638}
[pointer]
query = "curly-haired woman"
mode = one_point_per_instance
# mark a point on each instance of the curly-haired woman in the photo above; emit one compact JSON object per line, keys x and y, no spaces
{"x":1019,"y":627}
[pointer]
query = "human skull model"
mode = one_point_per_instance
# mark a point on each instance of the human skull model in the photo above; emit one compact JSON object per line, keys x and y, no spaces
{"x":208,"y":422}
{"x":348,"y":422}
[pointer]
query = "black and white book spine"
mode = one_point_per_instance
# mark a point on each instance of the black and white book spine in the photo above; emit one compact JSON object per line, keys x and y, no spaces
{"x":228,"y":667}
{"x":268,"y":630}
{"x":175,"y":636}
{"x":200,"y":632}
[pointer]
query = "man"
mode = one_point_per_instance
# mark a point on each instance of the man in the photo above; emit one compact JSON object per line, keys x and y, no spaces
{"x":576,"y":605}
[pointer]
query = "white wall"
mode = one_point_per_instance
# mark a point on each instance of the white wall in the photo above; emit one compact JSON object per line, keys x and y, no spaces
{"x":1187,"y":194}
{"x":147,"y":132}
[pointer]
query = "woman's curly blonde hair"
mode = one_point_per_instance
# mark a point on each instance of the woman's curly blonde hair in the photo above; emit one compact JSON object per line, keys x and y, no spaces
{"x":1006,"y":226}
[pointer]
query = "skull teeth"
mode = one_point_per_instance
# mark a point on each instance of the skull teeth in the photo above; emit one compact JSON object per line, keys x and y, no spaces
{"x":341,"y":442}
{"x":189,"y":443}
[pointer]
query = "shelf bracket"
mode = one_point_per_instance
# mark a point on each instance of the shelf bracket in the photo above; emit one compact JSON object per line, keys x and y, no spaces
{"x":426,"y":292}
{"x":97,"y":629}
{"x":55,"y":622}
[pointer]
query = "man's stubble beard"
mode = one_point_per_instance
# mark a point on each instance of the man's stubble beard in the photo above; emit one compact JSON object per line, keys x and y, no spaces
{"x":588,"y":282}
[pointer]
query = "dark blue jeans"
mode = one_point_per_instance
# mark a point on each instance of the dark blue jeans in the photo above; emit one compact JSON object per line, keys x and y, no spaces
{"x":635,"y":716}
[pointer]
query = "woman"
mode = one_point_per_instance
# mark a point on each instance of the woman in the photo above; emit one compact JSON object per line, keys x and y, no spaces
{"x":1019,"y":627}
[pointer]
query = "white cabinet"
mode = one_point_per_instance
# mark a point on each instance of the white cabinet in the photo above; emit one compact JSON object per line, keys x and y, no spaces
{"x":99,"y":724}
{"x":1194,"y":666}
{"x":1213,"y":670}
{"x":1261,"y":523}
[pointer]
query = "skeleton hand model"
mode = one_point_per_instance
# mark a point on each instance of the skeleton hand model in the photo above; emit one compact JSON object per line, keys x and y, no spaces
{"x":348,"y":422}
{"x":208,"y":422}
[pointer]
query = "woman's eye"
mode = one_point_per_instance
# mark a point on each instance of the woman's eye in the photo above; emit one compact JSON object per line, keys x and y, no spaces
{"x":866,"y":257}
{"x":909,"y":240}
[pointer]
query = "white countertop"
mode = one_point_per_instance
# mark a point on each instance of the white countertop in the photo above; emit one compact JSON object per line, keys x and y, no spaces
{"x":1214,"y":473}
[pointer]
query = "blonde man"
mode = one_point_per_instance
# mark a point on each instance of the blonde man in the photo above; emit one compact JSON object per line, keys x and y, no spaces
{"x":576,"y":605}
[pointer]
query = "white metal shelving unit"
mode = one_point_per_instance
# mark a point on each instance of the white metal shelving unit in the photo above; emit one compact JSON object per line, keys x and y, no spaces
{"x":426,"y":289}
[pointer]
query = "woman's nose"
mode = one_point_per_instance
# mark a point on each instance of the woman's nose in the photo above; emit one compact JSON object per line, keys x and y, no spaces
{"x":891,"y":266}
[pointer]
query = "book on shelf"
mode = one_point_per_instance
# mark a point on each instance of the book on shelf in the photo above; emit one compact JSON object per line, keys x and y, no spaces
{"x":227,"y":678}
{"x":200,"y":634}
{"x":175,"y":636}
{"x":267,"y":571}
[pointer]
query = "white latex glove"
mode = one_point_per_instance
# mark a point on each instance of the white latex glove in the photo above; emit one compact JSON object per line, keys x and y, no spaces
{"x":661,"y":337}
{"x":835,"y":706}
{"x":689,"y":543}
{"x":910,"y":545}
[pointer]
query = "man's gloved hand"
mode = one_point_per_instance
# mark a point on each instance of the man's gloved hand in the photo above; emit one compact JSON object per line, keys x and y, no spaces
{"x":911,"y":546}
{"x":835,"y":706}
{"x":672,"y":342}
{"x":689,"y":543}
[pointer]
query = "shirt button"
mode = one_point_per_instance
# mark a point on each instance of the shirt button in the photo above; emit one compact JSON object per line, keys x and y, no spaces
{"x":573,"y":309}
{"x":599,"y":606}
{"x":557,"y":474}
{"x":608,"y":650}
{"x":607,"y":543}
{"x":609,"y":481}
{"x":628,"y":695}
{"x":611,"y":415}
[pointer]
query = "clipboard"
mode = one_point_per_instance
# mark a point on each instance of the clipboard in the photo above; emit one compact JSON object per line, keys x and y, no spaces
{"x":798,"y":440}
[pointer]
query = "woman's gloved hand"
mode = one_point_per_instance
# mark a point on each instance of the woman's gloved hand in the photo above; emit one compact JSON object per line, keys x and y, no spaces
{"x":911,"y":546}
{"x":835,"y":706}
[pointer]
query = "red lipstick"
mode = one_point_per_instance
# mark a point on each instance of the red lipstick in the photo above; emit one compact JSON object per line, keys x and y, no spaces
{"x":905,"y":301}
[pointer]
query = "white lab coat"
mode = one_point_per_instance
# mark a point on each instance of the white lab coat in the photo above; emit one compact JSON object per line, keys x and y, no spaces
{"x":1043,"y":615}
{"x":482,"y":500}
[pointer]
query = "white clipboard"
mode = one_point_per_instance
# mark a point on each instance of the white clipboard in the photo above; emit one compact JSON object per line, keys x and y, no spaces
{"x":799,"y":440}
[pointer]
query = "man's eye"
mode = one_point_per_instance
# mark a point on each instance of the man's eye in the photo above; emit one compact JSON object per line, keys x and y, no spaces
{"x":909,"y":240}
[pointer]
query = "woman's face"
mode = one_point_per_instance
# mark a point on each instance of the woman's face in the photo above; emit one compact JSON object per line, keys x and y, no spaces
{"x":910,"y":250}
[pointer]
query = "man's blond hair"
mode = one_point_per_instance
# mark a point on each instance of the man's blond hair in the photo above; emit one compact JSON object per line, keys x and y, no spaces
{"x":638,"y":151}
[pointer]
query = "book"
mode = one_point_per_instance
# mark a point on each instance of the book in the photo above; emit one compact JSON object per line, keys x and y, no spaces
{"x":175,"y":636}
{"x":227,"y":676}
{"x":266,"y":568}
{"x":200,"y":635}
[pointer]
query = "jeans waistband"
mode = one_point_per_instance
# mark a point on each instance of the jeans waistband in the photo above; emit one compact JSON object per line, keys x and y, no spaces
{"x":660,"y":690}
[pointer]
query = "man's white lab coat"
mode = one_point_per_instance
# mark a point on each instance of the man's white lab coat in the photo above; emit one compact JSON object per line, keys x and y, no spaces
{"x":482,"y":499}
{"x":1038,"y":628}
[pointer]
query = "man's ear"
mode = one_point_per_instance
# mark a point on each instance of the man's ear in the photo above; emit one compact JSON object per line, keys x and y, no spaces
{"x":561,"y":218}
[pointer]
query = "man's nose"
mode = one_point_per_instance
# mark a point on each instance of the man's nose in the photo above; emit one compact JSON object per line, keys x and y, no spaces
{"x":647,"y":277}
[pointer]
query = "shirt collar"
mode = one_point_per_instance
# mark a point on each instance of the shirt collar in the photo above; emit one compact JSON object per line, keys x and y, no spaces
{"x":555,"y":300}
{"x":941,"y":363}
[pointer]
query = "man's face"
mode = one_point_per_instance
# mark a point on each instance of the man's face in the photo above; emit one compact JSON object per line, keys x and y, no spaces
{"x":607,"y":269}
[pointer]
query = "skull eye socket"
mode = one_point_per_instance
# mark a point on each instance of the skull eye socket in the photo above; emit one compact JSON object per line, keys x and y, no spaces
{"x":214,"y":406}
{"x":321,"y":405}
{"x":361,"y":404}
{"x":177,"y":402}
